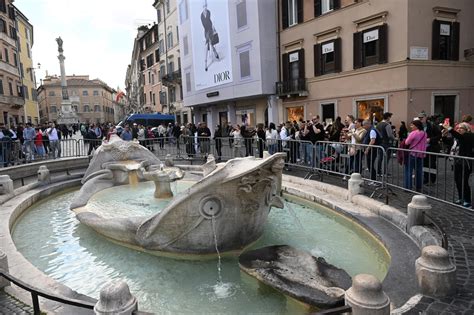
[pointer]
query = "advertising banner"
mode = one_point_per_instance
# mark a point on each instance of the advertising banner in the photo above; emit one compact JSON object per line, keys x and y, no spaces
{"x":212,"y":55}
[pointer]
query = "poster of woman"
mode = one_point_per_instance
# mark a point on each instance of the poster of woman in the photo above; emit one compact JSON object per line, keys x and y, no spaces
{"x":211,"y":43}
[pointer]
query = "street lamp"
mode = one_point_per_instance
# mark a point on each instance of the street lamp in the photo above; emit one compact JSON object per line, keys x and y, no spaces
{"x":32,"y":68}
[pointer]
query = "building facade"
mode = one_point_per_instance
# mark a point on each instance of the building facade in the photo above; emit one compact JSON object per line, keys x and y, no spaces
{"x":93,"y":100}
{"x":27,"y":70}
{"x":228,"y":60}
{"x":340,"y":57}
{"x":11,"y":88}
{"x":171,"y":94}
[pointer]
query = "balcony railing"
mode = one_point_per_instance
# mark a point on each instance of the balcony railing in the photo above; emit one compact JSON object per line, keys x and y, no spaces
{"x":172,"y":78}
{"x":15,"y":101}
{"x":292,"y":87}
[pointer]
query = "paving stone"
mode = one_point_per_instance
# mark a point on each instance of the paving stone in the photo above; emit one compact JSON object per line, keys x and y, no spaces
{"x":9,"y":305}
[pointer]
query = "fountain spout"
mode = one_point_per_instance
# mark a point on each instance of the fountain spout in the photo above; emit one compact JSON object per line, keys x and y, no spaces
{"x":163,"y":178}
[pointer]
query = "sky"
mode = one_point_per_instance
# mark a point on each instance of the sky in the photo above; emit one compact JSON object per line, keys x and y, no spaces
{"x":98,"y":35}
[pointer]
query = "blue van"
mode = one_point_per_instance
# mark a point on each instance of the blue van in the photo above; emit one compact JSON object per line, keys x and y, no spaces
{"x":152,"y":120}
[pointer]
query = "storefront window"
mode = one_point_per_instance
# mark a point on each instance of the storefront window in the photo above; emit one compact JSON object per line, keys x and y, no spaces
{"x":295,"y":113}
{"x":370,"y":109}
{"x":246,"y":117}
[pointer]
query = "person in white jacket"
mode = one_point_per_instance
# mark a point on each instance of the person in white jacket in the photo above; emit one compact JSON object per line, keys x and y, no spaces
{"x":271,"y":135}
{"x":238,"y":139}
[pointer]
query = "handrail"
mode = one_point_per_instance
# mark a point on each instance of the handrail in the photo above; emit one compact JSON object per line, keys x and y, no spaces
{"x":444,"y":236}
{"x":334,"y":311}
{"x":35,"y":293}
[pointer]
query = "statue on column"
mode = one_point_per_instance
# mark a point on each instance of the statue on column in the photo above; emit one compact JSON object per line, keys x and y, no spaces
{"x":60,"y":44}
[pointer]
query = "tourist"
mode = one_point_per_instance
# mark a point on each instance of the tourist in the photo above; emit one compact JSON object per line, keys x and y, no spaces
{"x":126,"y":134}
{"x":39,"y":143}
{"x":218,"y":141}
{"x":402,"y":132}
{"x":91,"y":139}
{"x":416,"y":143}
{"x":237,"y":140}
{"x":247,"y":134}
{"x":204,"y":134}
{"x":261,"y":139}
{"x":385,"y":130}
{"x":53,"y":137}
{"x":462,"y":167}
{"x":372,"y":138}
{"x":188,"y":140}
{"x":433,"y":134}
{"x":29,"y":135}
{"x":271,"y":137}
{"x":357,"y":135}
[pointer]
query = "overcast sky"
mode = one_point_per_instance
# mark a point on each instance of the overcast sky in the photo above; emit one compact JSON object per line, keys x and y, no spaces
{"x":98,"y":35}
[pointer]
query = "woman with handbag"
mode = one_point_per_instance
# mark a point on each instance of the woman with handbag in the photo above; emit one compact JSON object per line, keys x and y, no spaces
{"x":212,"y":37}
{"x":355,"y":151}
{"x":416,"y":143}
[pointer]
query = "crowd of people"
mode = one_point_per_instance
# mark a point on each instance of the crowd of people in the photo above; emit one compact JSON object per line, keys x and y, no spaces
{"x":350,"y":145}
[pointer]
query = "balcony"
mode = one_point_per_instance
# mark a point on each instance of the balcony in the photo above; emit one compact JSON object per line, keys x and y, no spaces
{"x":5,"y":38}
{"x":14,"y":101}
{"x":172,"y":78}
{"x":5,"y":66}
{"x":296,"y":87}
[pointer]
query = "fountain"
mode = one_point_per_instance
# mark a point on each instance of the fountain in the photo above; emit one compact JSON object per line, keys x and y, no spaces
{"x":233,"y":200}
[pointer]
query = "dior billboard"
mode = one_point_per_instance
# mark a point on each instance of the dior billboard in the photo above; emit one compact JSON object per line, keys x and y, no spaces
{"x":211,"y":47}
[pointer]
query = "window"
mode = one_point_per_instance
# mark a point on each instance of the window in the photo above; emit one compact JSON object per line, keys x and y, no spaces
{"x":163,"y":100}
{"x":293,"y":65}
{"x":51,"y":93}
{"x":13,"y":32}
{"x":292,"y":12}
{"x":171,"y":67}
{"x":325,"y":6}
{"x":54,"y":109}
{"x":28,"y":51}
{"x":15,"y":62}
{"x":3,"y":26}
{"x":25,"y":90}
{"x":445,"y":40}
{"x":85,"y":93}
{"x":154,"y":99}
{"x":34,"y":94}
{"x":142,"y":65}
{"x":172,"y":94}
{"x":75,"y":108}
{"x":241,"y":13}
{"x":328,"y":113}
{"x":183,"y":11}
{"x":152,"y":78}
{"x":86,"y":108}
{"x":7,"y":55}
{"x":370,"y":46}
{"x":185,"y":45}
{"x":170,"y":40}
{"x":162,"y":71}
{"x":151,"y":96}
{"x":161,"y":46}
{"x":11,"y":12}
{"x":188,"y":82}
{"x":95,"y":93}
{"x":244,"y":58}
{"x":167,"y":6}
{"x":158,"y":13}
{"x":3,"y":6}
{"x":149,"y":60}
{"x":10,"y":88}
{"x":327,"y":57}
{"x":157,"y":55}
{"x":445,"y":105}
{"x":1,"y":87}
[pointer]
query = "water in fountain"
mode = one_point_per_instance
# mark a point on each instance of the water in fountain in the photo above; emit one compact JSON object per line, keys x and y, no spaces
{"x":221,"y":289}
{"x":293,"y":214}
{"x":133,"y":178}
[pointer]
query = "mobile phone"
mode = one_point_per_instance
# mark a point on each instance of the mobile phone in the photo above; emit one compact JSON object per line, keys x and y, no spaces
{"x":446,"y":121}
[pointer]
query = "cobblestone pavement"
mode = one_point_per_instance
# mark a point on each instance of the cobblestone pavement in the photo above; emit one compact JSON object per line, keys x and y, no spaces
{"x":10,"y":305}
{"x":458,"y":223}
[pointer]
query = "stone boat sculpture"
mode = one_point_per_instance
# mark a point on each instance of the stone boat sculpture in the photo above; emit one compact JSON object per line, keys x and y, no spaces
{"x":227,"y":208}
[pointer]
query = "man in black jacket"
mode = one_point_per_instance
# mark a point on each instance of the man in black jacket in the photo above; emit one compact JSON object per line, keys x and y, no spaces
{"x":433,"y":134}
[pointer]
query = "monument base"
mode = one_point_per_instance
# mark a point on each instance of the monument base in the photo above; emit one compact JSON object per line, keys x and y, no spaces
{"x":67,"y":116}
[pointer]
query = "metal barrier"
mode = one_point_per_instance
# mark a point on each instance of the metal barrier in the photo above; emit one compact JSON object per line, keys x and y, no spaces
{"x":35,"y":293}
{"x":378,"y":166}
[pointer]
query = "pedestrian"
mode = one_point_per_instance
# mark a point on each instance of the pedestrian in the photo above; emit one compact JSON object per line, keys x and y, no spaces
{"x":416,"y":143}
{"x":271,"y":137}
{"x":126,"y":134}
{"x":372,"y":138}
{"x":462,"y":167}
{"x":433,"y":134}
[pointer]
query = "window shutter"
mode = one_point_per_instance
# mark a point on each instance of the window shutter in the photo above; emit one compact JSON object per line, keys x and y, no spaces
{"x":337,"y":55}
{"x":284,"y":13}
{"x":435,"y":54}
{"x":301,"y":64}
{"x":383,"y":44}
{"x":285,"y":67}
{"x":317,"y":60}
{"x":357,"y":50}
{"x":337,"y":4}
{"x":455,"y":41}
{"x":299,"y":7}
{"x":317,"y":8}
